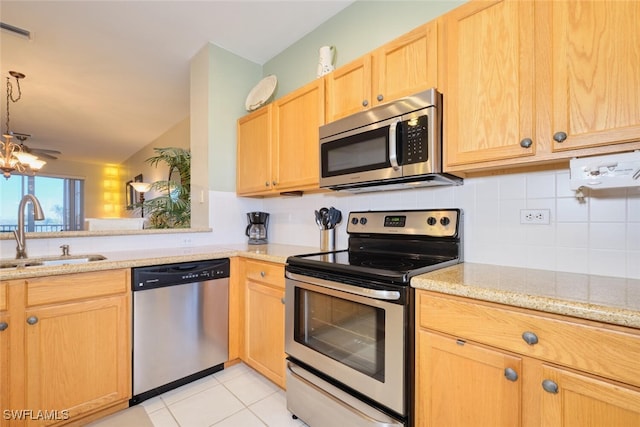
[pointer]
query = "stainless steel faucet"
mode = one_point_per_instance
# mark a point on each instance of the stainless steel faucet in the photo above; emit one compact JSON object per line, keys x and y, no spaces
{"x":38,"y":215}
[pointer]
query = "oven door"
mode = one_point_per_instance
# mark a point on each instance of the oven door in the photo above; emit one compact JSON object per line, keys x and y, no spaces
{"x":366,"y":154}
{"x":356,"y":336}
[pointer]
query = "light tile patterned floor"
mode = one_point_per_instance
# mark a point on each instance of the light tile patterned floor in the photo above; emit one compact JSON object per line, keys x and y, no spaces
{"x":234,"y":397}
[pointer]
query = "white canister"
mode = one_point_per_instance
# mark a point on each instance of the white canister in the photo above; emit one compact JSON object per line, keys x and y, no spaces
{"x":326,"y":56}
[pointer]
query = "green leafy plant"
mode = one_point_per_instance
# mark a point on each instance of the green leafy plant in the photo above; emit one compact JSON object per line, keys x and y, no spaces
{"x":172,"y":208}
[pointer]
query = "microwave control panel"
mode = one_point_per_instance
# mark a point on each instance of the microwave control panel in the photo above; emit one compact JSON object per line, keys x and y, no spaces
{"x":414,"y":140}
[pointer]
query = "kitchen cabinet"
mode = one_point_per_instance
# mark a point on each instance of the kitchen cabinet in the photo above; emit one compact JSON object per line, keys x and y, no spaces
{"x":559,"y":370}
{"x":278,"y":144}
{"x":5,"y":331}
{"x":531,"y":82}
{"x":264,"y":319}
{"x":71,"y":346}
{"x":402,"y":67}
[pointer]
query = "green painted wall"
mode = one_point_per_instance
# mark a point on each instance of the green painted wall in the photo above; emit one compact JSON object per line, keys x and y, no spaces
{"x":358,"y":29}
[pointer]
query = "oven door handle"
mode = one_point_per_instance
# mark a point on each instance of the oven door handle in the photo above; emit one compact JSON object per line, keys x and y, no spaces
{"x":351,"y":289}
{"x":342,"y":403}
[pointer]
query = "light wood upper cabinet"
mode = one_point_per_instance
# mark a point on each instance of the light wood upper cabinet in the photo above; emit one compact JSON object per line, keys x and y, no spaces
{"x":402,"y":67}
{"x":278,"y":145}
{"x":296,"y":153}
{"x":596,"y":73}
{"x":489,"y":82}
{"x":254,"y":152}
{"x":540,"y":81}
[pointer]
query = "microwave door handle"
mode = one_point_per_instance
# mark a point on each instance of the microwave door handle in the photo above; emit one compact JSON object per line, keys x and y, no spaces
{"x":393,"y":147}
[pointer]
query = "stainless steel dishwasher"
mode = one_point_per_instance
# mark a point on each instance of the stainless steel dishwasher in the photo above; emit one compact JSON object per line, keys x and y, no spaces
{"x":180,"y":324}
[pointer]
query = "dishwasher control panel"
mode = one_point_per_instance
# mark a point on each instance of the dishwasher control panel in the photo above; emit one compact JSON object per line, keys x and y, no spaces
{"x":143,"y":278}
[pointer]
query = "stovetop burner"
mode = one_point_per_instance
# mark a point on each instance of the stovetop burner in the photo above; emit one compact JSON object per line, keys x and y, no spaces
{"x":391,"y":246}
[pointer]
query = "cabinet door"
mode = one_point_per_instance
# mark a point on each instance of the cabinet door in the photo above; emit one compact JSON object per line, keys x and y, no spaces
{"x":254,"y":151}
{"x":5,"y":330}
{"x":579,"y":400}
{"x":349,"y":89}
{"x":596,"y":77}
{"x":488,"y":95}
{"x":295,"y":153}
{"x":451,"y":372}
{"x":406,"y":65}
{"x":264,"y":332}
{"x":78,"y":356}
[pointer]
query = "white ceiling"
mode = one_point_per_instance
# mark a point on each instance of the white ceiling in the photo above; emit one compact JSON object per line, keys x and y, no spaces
{"x":105,"y":78}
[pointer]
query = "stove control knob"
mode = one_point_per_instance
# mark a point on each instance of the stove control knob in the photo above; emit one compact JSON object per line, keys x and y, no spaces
{"x":431,"y":221}
{"x":354,"y":220}
{"x":363,"y":220}
{"x":445,"y":221}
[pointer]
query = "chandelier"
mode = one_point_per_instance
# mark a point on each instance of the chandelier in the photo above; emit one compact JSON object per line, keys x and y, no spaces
{"x":13,"y":156}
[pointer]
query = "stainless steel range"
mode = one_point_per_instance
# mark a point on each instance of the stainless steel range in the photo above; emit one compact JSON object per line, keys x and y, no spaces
{"x":349,"y":317}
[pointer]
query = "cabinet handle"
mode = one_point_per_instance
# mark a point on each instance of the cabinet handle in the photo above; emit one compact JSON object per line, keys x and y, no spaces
{"x":365,"y":103}
{"x":262,"y":274}
{"x":32,"y":320}
{"x":550,"y":386}
{"x":559,"y":137}
{"x":530,"y":338}
{"x":380,"y":97}
{"x":3,"y":326}
{"x":511,"y":374}
{"x":526,"y":143}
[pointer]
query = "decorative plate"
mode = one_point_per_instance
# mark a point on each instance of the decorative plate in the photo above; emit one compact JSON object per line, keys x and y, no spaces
{"x":261,"y":93}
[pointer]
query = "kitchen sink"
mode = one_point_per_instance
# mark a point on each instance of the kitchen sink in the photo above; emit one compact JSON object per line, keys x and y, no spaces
{"x":44,"y":261}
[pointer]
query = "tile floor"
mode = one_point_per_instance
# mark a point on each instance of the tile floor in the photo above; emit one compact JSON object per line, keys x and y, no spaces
{"x":234,"y":397}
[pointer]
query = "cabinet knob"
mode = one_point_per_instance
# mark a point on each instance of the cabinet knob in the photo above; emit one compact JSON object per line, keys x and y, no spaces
{"x":559,"y":137}
{"x":511,"y":374}
{"x":282,"y":300}
{"x":3,"y":326}
{"x":274,"y":183}
{"x":365,"y":103}
{"x":266,"y":183}
{"x":380,"y":97}
{"x":530,"y":338}
{"x":550,"y":386}
{"x":262,"y":274}
{"x":32,"y":320}
{"x":526,"y":143}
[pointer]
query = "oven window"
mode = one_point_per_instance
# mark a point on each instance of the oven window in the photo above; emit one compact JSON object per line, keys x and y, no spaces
{"x":346,"y":331}
{"x":357,"y":153}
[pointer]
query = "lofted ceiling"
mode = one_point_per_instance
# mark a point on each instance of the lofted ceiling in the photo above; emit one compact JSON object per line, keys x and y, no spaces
{"x":105,"y":78}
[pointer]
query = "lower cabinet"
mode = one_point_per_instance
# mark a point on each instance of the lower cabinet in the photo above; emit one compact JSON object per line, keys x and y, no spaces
{"x":264,"y":319}
{"x":473,"y":369}
{"x":70,"y":348}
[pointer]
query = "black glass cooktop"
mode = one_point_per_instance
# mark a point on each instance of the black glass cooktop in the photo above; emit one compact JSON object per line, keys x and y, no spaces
{"x":383,"y":266}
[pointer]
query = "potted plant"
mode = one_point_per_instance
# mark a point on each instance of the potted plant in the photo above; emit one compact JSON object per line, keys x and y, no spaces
{"x":172,"y":208}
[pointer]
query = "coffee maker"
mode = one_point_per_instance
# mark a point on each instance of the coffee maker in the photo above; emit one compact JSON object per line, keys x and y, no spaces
{"x":257,"y":228}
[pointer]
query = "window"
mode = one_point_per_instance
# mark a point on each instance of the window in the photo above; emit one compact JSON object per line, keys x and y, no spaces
{"x":62,"y":200}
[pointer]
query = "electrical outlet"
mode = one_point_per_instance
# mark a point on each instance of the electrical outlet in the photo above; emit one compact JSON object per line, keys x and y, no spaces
{"x":535,"y":216}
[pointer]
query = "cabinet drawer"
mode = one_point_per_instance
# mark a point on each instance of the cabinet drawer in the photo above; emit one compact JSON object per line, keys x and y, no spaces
{"x":590,"y":347}
{"x":3,"y":296}
{"x":47,"y":290}
{"x":265,"y":272}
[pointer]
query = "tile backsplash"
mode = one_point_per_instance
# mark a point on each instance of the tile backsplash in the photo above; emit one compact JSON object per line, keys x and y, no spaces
{"x":599,"y":235}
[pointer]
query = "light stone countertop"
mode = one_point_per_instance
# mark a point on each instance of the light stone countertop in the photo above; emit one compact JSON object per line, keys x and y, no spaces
{"x":126,"y":259}
{"x":605,"y":299}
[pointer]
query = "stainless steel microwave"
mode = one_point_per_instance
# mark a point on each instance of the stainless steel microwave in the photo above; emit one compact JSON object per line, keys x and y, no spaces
{"x":392,"y":146}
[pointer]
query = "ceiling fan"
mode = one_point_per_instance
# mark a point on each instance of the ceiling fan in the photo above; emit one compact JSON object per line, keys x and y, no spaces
{"x":41,"y":152}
